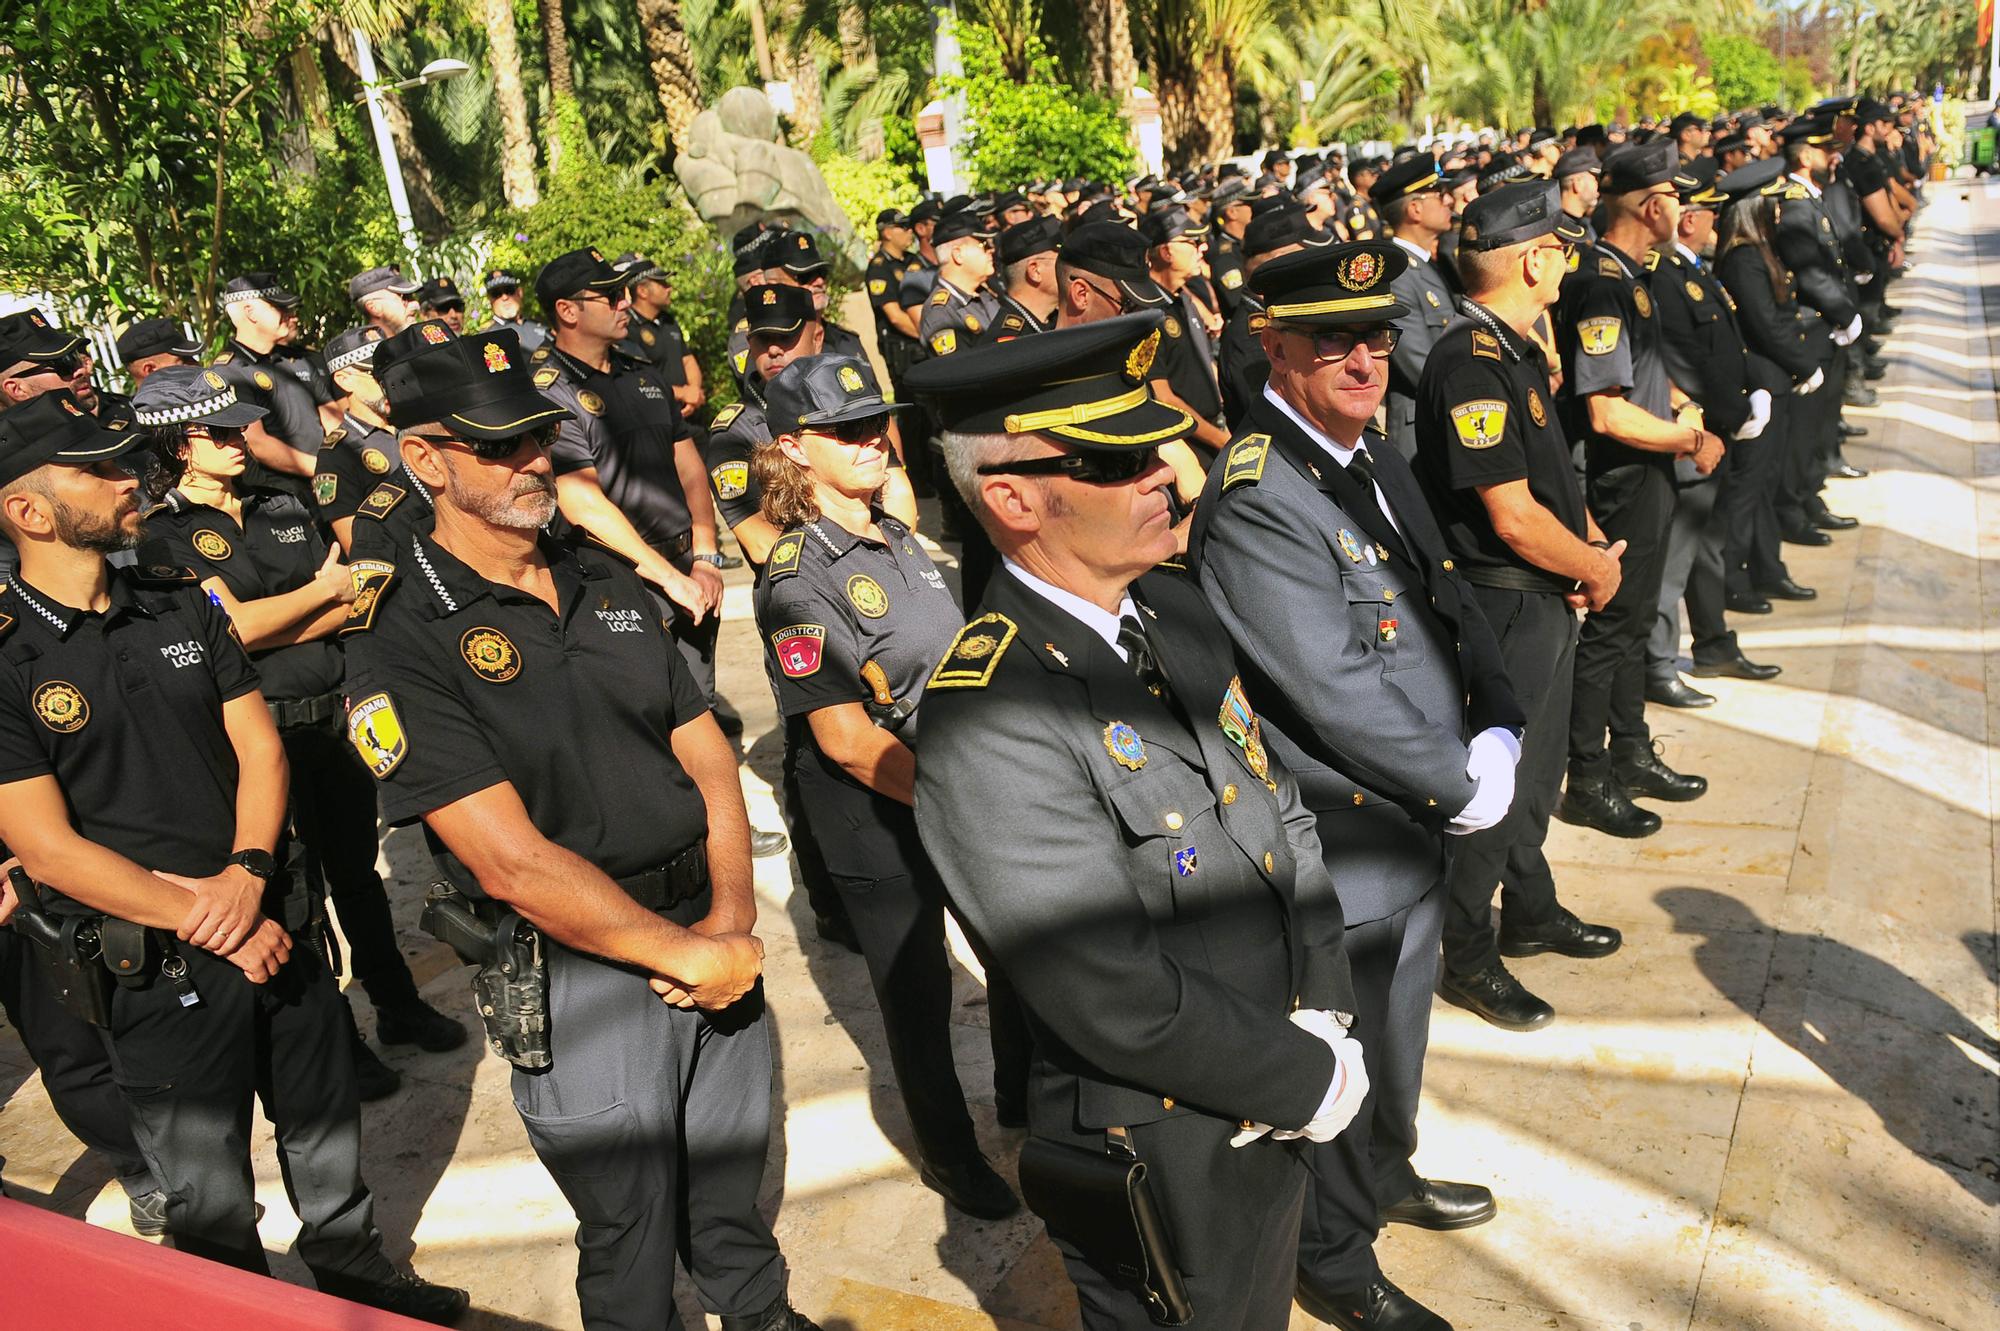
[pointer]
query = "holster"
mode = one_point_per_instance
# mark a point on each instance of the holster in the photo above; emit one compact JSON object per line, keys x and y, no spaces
{"x":511,"y":985}
{"x":1101,"y":1203}
{"x":66,"y":948}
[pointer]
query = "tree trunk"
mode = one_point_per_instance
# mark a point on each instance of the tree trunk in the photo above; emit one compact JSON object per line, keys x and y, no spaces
{"x":1180,"y":121}
{"x":1214,"y":109}
{"x":805,"y":96}
{"x":562,"y":76}
{"x":517,"y":145}
{"x":857,"y":48}
{"x":1109,"y":66}
{"x":671,"y":62}
{"x":1124,"y":65}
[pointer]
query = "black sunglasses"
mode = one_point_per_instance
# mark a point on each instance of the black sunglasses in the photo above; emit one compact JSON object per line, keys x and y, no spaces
{"x":1093,"y":468}
{"x":1339,"y":344}
{"x":864,"y":431}
{"x":489,"y":450}
{"x":64,"y":365}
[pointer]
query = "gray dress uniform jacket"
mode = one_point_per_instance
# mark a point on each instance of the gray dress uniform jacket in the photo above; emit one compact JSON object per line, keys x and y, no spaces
{"x":1363,"y":649}
{"x":1422,"y":288}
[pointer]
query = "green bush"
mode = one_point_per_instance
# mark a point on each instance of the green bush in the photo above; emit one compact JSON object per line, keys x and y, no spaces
{"x":1744,"y":70}
{"x":863,"y":189}
{"x":1022,"y":131}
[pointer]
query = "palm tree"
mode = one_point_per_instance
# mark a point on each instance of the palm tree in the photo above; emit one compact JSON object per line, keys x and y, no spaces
{"x":517,"y":144}
{"x":672,"y":65}
{"x":1196,"y":47}
{"x":562,"y":75}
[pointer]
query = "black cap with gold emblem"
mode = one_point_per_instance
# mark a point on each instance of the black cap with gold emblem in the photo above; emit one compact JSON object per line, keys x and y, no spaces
{"x":1412,"y":175}
{"x":27,"y":337}
{"x":777,"y":311}
{"x":1696,"y":184}
{"x":478,"y":386}
{"x":570,"y":275}
{"x":824,"y":390}
{"x":52,"y":428}
{"x":1331,"y":285}
{"x":187,"y":394}
{"x":1086,"y":386}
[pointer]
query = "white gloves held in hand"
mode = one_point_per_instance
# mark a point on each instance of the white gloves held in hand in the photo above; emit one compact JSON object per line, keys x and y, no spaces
{"x":1810,"y":385}
{"x":1843,"y":337}
{"x":1343,"y":1097}
{"x":1760,"y":414}
{"x":1490,"y":760}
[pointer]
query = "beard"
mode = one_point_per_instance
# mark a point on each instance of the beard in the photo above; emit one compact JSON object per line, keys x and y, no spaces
{"x":526,"y":505}
{"x":87,"y":531}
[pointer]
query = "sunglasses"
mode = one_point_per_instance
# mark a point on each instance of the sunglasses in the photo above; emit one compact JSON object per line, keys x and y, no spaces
{"x":64,"y":366}
{"x":613,"y":301}
{"x":867,"y":430}
{"x":218,"y":434}
{"x":1093,"y":468}
{"x":1339,"y":344}
{"x":489,"y":450}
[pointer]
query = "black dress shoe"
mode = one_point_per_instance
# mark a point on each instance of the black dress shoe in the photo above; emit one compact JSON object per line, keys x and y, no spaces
{"x":1379,"y":1306}
{"x":417,"y":1022}
{"x":1602,"y":804}
{"x":1847,"y":471}
{"x":373,"y":1079}
{"x":1784,"y":589}
{"x":1738,"y":666}
{"x":408,"y":1294}
{"x":763,"y":845}
{"x":1496,"y":996}
{"x":1747,"y":603}
{"x":1677,"y":692}
{"x":1849,"y":430}
{"x":1807,"y":535}
{"x":1828,"y":521}
{"x":1640,"y":770}
{"x":972,"y":1187}
{"x":780,"y":1316}
{"x":1564,"y":935}
{"x":1436,"y":1204}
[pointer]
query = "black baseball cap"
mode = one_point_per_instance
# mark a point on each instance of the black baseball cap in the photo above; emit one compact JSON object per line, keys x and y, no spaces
{"x":157,"y":336}
{"x":1280,"y":227}
{"x":1412,"y":175}
{"x":823,"y":390}
{"x":27,"y":336}
{"x":389,"y":278}
{"x":1109,"y":250}
{"x":186,"y":394}
{"x":53,"y":428}
{"x":1695,"y":183}
{"x":478,"y":385}
{"x":256,"y":286}
{"x":440,"y":293}
{"x":796,"y":252}
{"x":1685,"y":120}
{"x":1640,"y":166}
{"x":1161,"y":225}
{"x":1512,"y":215}
{"x":1816,"y":130}
{"x":891,"y":217}
{"x":570,"y":275}
{"x":746,"y":255}
{"x":636,"y":268}
{"x":1086,"y":385}
{"x":1329,"y":286}
{"x":958,"y":224}
{"x":1579,"y":162}
{"x":1766,"y":175}
{"x":777,"y":311}
{"x":927,"y":210}
{"x":1038,"y":235}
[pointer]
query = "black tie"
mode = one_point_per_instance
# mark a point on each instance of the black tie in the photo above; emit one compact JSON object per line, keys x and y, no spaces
{"x":1139,"y":655}
{"x":1362,"y":468}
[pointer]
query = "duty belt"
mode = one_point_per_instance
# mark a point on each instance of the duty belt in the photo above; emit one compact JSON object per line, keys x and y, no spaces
{"x":1510,"y":578}
{"x":305,"y":711}
{"x":680,"y":879}
{"x":676,"y":546}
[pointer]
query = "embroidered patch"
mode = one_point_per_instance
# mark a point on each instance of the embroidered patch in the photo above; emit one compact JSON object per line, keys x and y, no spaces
{"x":850,"y":378}
{"x":1643,"y":301}
{"x":877,"y":286}
{"x":61,"y":706}
{"x":732,"y":480}
{"x":867,"y":596}
{"x":1485,"y":345}
{"x":1480,"y":424}
{"x":785,"y":555}
{"x":375,"y":460}
{"x":210,"y":545}
{"x":1232,"y":278}
{"x":1599,"y":337}
{"x":326,"y":485}
{"x":1173,"y":326}
{"x":546,"y":376}
{"x":944,"y":341}
{"x":799,"y":648}
{"x":1536,"y":411}
{"x":435,"y":334}
{"x":1124,"y":745}
{"x":491,"y":655}
{"x":1693,"y":289}
{"x":590,"y":402}
{"x":496,"y":357}
{"x":1359,"y":271}
{"x":1246,"y":460}
{"x":381,"y":499}
{"x":975,"y":653}
{"x":727,"y":416}
{"x":376,"y":733}
{"x":1609,"y":267}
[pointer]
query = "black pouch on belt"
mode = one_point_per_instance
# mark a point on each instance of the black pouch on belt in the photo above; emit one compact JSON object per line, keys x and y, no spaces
{"x":1101,"y":1203}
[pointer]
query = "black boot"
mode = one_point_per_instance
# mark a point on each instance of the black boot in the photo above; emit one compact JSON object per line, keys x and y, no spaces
{"x":1601,"y":803}
{"x":780,"y":1316}
{"x":1638,"y":768}
{"x":1495,"y":995}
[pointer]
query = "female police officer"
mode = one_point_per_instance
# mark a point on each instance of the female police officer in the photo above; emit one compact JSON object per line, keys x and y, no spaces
{"x":854,"y":616}
{"x":259,"y":554}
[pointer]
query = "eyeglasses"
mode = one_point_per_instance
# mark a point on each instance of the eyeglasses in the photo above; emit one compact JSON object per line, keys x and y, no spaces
{"x":613,"y":301}
{"x":63,"y":366}
{"x":1117,"y":301}
{"x":489,"y":450}
{"x":1092,"y":468}
{"x":867,"y":430}
{"x":217,"y":434}
{"x":1339,"y":344}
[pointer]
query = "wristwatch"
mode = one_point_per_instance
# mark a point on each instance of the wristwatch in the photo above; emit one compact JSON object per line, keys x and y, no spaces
{"x":710,"y":557}
{"x":257,"y":863}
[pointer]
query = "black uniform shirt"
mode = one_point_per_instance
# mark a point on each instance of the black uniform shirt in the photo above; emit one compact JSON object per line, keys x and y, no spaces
{"x":1225,"y":261}
{"x":460,"y":684}
{"x":394,"y":511}
{"x":1609,"y":339}
{"x":734,"y":435}
{"x":124,"y":708}
{"x":308,"y":366}
{"x":833,"y":604}
{"x":531,"y":333}
{"x":1484,"y":418}
{"x":885,"y":288}
{"x":1184,"y":367}
{"x":918,"y":279}
{"x":625,"y":425}
{"x":660,"y":343}
{"x":277,"y":549}
{"x":353,"y":461}
{"x":293,"y":415}
{"x":1012,"y":319}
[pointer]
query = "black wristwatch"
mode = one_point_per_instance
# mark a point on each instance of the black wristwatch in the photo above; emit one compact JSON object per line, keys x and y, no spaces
{"x":257,"y":863}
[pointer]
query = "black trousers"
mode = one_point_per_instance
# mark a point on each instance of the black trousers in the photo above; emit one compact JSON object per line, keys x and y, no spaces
{"x":1394,"y":962}
{"x":1752,"y":556}
{"x":1693,"y":572}
{"x":1809,"y":445}
{"x":1633,"y":504}
{"x":193,"y":1076}
{"x":76,"y":1071}
{"x":813,"y":875}
{"x":1537,"y":634}
{"x":333,"y":809}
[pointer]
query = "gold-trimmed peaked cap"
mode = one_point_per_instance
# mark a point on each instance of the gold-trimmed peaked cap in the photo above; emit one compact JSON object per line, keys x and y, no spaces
{"x":1333,"y":285}
{"x":478,"y":386}
{"x":1085,"y":385}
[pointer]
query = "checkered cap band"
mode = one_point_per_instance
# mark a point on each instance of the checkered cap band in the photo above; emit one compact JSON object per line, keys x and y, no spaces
{"x":229,"y":298}
{"x":183,"y":412}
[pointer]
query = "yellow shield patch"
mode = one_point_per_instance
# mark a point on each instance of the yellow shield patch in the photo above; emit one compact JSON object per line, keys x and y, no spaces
{"x":1599,"y":337}
{"x":62,"y":706}
{"x":210,"y":545}
{"x":376,"y":733}
{"x":877,"y":285}
{"x":944,"y":341}
{"x":732,"y":480}
{"x":1232,"y":278}
{"x":1480,"y":424}
{"x":867,"y":596}
{"x":491,"y":655}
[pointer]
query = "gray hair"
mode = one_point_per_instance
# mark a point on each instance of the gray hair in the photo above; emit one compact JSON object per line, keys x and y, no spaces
{"x":965,"y":454}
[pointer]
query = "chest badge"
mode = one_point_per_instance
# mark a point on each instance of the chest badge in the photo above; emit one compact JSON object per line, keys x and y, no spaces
{"x":1185,"y":861}
{"x":1642,"y":301}
{"x":375,"y":460}
{"x":1242,"y":728}
{"x":63,"y":708}
{"x":867,"y":596}
{"x":1694,"y":292}
{"x":1124,"y":745}
{"x":491,"y":655}
{"x":1432,"y":297}
{"x":647,"y":336}
{"x":1386,"y":630}
{"x":1348,"y":545}
{"x":590,"y":402}
{"x":1536,"y":411}
{"x":210,"y":545}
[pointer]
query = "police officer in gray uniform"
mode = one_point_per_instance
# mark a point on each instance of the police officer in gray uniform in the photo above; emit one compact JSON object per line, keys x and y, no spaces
{"x":1416,"y":209}
{"x":1382,"y":687}
{"x":535,"y":715}
{"x":1094,"y":786}
{"x":958,"y":311}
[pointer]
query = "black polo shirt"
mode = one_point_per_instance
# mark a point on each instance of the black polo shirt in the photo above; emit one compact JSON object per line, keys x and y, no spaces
{"x":460,"y":684}
{"x":624,"y":424}
{"x":277,"y":549}
{"x":1484,"y":418}
{"x":1609,"y":340}
{"x":885,"y":288}
{"x":660,"y":343}
{"x":292,"y":415}
{"x":353,"y":461}
{"x":734,"y":436}
{"x":124,"y":709}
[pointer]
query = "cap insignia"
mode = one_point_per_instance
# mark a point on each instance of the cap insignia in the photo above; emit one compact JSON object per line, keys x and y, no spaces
{"x":212,"y":379}
{"x":1358,"y":272}
{"x":1140,"y":359}
{"x":850,"y":378}
{"x":496,"y":358}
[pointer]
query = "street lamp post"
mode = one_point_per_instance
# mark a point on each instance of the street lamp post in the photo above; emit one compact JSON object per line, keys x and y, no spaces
{"x":372,"y":93}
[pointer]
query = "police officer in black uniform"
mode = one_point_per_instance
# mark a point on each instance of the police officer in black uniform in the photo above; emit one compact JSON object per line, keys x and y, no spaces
{"x":1617,"y":398}
{"x":361,"y":449}
{"x":853,"y":616}
{"x":893,"y":259}
{"x":440,"y":298}
{"x":523,"y":697}
{"x":503,"y":295}
{"x":1228,"y":217}
{"x":1027,"y":254}
{"x":958,"y":310}
{"x":289,"y":437}
{"x":1493,"y":459}
{"x":400,"y":505}
{"x":143,"y":784}
{"x":654,"y":336}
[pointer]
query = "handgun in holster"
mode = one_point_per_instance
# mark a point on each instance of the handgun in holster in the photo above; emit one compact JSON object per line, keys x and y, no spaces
{"x":883,"y":707}
{"x":69,"y":951}
{"x":511,"y":985}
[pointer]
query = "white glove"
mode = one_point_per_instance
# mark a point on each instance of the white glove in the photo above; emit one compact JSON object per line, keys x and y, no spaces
{"x":1760,"y":414}
{"x":1810,"y":385}
{"x":1343,"y":1095}
{"x":1849,"y":333}
{"x":1490,"y":760}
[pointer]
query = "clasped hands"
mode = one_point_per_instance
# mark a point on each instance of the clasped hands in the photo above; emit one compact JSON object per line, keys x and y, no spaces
{"x":1343,"y":1097}
{"x":724,"y":968}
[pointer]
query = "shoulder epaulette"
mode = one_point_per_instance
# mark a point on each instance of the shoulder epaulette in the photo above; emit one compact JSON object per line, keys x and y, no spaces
{"x":785,"y":556}
{"x":7,"y":622}
{"x":1245,"y":464}
{"x":381,"y":500}
{"x":1484,"y":344}
{"x":163,"y":575}
{"x":1178,"y":564}
{"x":1796,"y":192}
{"x":1652,"y":261}
{"x":224,"y":358}
{"x":334,"y":436}
{"x":975,"y":653}
{"x":940,"y":296}
{"x":1609,"y":267}
{"x":370,"y":586}
{"x":540,"y":354}
{"x":726,"y":417}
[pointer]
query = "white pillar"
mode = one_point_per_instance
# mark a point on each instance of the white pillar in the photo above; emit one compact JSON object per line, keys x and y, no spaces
{"x":385,"y":144}
{"x":1142,"y":111}
{"x":934,"y":137}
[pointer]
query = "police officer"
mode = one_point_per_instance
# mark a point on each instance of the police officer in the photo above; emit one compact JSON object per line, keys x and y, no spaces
{"x":503,"y":297}
{"x":1095,"y":788}
{"x":287,"y":439}
{"x":654,"y":335}
{"x":895,"y":328}
{"x":1028,"y":253}
{"x":361,"y":450}
{"x":258,"y":554}
{"x":385,"y":298}
{"x":1616,"y":397}
{"x":400,"y":505}
{"x":921,"y":273}
{"x":535,"y":714}
{"x":1493,"y":460}
{"x":792,"y":258}
{"x":1241,"y":360}
{"x":1414,"y":205}
{"x":957,"y":312}
{"x":1578,"y":172}
{"x":853,"y":616}
{"x":1229,"y":214}
{"x":439,"y":298}
{"x":1382,"y":686}
{"x":154,"y":343}
{"x":143,"y":784}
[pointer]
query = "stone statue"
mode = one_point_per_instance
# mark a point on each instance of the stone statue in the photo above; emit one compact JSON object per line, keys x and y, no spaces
{"x":737,"y":170}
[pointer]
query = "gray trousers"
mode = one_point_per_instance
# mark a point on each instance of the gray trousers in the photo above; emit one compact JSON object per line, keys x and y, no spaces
{"x":654,"y":1122}
{"x":1694,"y":572}
{"x":1367,"y":1167}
